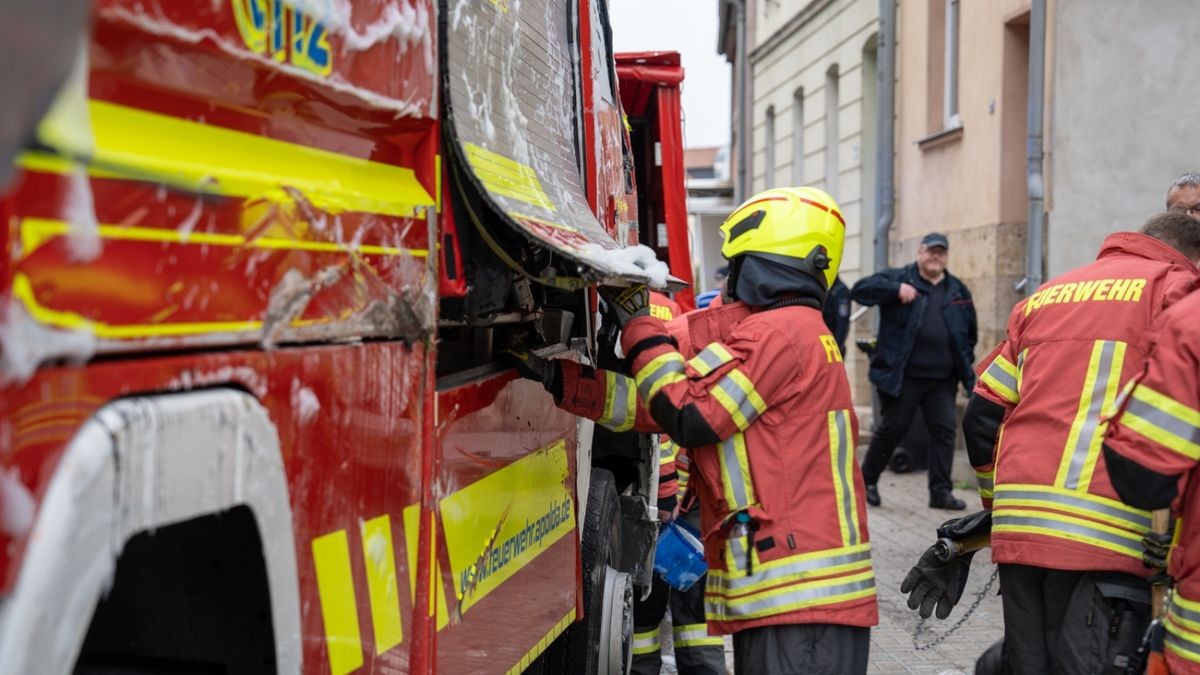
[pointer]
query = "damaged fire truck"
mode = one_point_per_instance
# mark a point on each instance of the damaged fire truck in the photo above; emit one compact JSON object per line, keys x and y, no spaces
{"x":260,"y":257}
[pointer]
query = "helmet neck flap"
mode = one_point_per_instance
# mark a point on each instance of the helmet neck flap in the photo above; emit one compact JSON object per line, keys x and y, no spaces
{"x":759,"y":281}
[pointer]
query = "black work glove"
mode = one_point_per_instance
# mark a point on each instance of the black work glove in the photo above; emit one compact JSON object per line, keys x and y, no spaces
{"x":1156,"y":547}
{"x":531,"y":366}
{"x":626,"y":303}
{"x":936,"y":583}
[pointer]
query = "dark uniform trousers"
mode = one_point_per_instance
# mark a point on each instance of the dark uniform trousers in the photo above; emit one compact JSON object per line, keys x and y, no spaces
{"x":688,"y":623}
{"x":809,"y":648}
{"x":1058,"y":621}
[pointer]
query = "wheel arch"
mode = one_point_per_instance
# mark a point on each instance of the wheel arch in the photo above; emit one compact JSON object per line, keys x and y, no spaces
{"x":136,"y":465}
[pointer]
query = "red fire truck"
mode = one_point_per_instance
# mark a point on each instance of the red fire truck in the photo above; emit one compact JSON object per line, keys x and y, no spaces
{"x":260,"y":258}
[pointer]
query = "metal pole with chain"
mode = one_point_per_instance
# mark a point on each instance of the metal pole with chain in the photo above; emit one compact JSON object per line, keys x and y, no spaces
{"x":958,"y":624}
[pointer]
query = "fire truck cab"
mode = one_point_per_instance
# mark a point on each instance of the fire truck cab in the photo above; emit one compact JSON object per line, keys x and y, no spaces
{"x":261,"y":258}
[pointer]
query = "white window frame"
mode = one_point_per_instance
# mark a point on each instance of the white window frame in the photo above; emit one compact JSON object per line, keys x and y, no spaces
{"x":769,"y":150}
{"x":798,"y":137}
{"x":950,"y":117}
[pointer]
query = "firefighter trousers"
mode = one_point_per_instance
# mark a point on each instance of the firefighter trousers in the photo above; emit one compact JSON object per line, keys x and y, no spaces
{"x":1058,"y":621}
{"x":696,"y":652}
{"x":809,"y":648}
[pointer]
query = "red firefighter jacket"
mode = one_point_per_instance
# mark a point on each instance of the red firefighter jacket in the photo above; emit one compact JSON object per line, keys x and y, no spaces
{"x":669,"y":481}
{"x":762,"y":402}
{"x":1158,"y":427}
{"x":1070,"y":347}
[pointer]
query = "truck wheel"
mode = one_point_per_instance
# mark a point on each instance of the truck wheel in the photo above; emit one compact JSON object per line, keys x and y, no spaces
{"x":601,"y":643}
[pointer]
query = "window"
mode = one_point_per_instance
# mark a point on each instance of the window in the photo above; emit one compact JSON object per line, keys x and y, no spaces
{"x":798,"y":137}
{"x":831,"y":131}
{"x":950,"y":117}
{"x":769,"y":151}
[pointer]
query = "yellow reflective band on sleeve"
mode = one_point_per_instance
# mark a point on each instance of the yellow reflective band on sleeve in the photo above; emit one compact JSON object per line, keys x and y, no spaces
{"x":384,"y":592}
{"x":335,"y":587}
{"x":1164,"y":420}
{"x":710,"y":358}
{"x":1001,"y":376}
{"x":646,"y":643}
{"x":987,"y":483}
{"x":842,"y":458}
{"x":737,"y":395}
{"x":695,"y":635}
{"x":735,"y":473}
{"x":620,"y":402}
{"x":1086,"y":438}
{"x":665,"y":369}
{"x":666,"y":451}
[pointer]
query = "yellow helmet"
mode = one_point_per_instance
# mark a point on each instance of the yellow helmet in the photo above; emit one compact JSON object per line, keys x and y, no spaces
{"x":799,"y":227}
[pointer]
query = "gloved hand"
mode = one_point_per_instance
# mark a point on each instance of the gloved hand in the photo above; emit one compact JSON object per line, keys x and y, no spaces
{"x":1156,"y":547}
{"x":626,"y":303}
{"x":530,"y":366}
{"x":932,"y":582}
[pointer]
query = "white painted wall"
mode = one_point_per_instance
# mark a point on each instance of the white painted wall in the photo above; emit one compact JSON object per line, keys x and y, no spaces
{"x":1122,"y":120}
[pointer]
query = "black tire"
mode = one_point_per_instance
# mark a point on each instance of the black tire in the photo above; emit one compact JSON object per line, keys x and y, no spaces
{"x":902,"y":461}
{"x":601,"y":548}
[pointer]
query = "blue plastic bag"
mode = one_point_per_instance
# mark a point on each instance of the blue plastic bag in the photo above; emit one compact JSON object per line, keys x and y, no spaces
{"x":679,"y":557}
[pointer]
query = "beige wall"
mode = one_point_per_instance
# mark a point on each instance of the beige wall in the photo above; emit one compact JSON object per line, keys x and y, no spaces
{"x":797,"y":44}
{"x":1122,"y":119}
{"x":970,"y":183}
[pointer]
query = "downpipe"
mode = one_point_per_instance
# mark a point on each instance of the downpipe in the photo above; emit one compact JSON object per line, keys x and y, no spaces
{"x":1035,"y":242}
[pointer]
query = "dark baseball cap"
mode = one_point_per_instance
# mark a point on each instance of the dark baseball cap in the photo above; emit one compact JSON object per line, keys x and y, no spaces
{"x":936,"y":239}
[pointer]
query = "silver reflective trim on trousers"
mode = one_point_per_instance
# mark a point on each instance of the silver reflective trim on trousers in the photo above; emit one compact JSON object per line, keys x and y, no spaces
{"x":766,"y":574}
{"x":1029,"y":521}
{"x":1138,"y":521}
{"x":1084,"y":441}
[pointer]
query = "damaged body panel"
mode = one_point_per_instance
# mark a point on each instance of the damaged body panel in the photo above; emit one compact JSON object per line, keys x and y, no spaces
{"x":262,"y":258}
{"x":511,"y":122}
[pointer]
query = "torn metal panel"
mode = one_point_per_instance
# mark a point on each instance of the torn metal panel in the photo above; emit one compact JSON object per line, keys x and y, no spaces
{"x":510,"y":113}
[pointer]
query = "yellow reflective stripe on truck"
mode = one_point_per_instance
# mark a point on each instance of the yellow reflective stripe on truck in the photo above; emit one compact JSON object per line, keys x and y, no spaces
{"x":141,"y":145}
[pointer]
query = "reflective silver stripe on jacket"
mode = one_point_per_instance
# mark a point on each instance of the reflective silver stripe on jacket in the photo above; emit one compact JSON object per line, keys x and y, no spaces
{"x":1087,"y":432}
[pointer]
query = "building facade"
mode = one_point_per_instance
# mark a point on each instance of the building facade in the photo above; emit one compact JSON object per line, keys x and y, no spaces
{"x":812,"y":112}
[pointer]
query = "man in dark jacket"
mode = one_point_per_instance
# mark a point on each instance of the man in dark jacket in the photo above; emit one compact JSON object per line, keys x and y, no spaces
{"x":837,"y":313}
{"x":926,"y":346}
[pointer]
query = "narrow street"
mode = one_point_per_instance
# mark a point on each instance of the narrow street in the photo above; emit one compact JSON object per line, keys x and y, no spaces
{"x":900,"y":530}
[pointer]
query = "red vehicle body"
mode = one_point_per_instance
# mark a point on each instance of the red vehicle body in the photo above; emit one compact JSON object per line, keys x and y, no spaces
{"x":258,"y":266}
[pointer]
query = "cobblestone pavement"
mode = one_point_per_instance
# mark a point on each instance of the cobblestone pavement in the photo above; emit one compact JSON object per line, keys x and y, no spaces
{"x":900,"y":530}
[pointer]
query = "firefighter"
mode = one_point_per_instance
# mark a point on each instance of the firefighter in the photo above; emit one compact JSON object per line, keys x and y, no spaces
{"x":696,"y":652}
{"x":1074,"y":590}
{"x":1152,"y":448}
{"x":757,"y":391}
